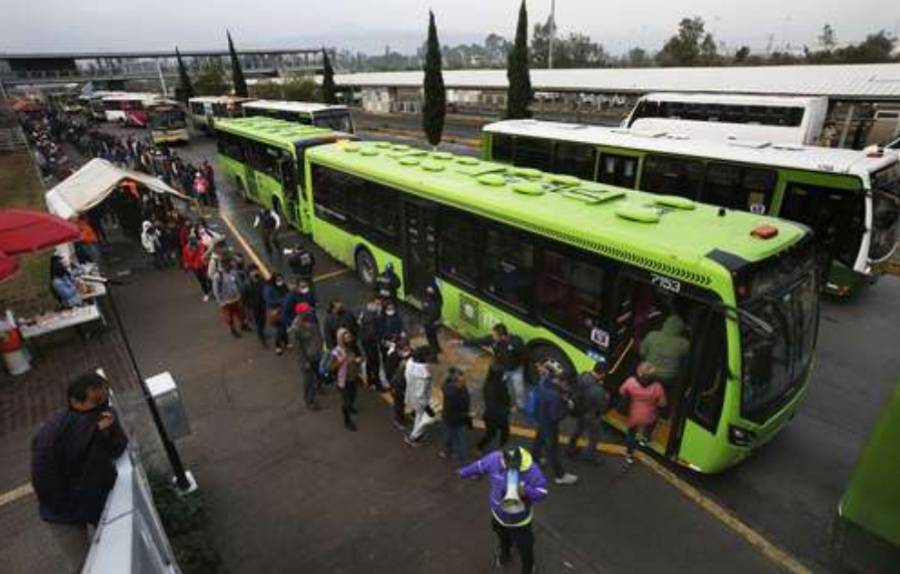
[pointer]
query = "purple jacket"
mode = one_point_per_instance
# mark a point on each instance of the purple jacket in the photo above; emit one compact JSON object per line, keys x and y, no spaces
{"x":530,"y":476}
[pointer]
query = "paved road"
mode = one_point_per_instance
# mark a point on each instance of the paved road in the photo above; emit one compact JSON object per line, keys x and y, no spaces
{"x":790,"y":490}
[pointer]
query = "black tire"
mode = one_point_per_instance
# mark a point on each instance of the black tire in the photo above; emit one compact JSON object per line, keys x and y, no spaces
{"x":366,"y":267}
{"x":540,"y":352}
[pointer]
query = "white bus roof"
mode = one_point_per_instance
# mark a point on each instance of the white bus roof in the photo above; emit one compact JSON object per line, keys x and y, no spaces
{"x":131,"y":96}
{"x":735,"y":99}
{"x":791,"y":156}
{"x":290,"y":106}
{"x":218,"y":99}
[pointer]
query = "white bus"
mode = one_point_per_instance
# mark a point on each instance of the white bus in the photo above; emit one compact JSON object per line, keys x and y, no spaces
{"x":128,"y":108}
{"x":782,"y":119}
{"x":333,"y":117}
{"x":849,"y":198}
{"x":205,"y":109}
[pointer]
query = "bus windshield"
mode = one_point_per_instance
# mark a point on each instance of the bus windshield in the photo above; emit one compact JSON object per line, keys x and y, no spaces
{"x":167,"y":119}
{"x":885,"y":212}
{"x":784,"y":294}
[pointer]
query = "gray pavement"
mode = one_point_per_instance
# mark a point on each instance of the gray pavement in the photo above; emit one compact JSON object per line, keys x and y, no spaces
{"x":788,"y":491}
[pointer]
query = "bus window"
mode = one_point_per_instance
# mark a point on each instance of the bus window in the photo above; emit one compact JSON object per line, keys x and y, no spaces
{"x":569,"y":293}
{"x":384,"y":204}
{"x":672,"y":176}
{"x":460,"y":246}
{"x":575,"y":159}
{"x":737,"y":187}
{"x":501,"y":148}
{"x":533,"y":152}
{"x":708,"y":366}
{"x":836,"y":217}
{"x":619,"y":170}
{"x":264,"y":159}
{"x":287,"y":176}
{"x":329,"y":195}
{"x":508,"y":257}
{"x":231,"y":146}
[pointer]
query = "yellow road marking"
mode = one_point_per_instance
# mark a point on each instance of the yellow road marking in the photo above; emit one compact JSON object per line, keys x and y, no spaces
{"x":15,"y":494}
{"x":754,"y":538}
{"x":263,"y":268}
{"x":329,"y":275}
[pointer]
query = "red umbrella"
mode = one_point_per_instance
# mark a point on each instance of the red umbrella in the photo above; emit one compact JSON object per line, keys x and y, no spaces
{"x":8,"y":266}
{"x":23,"y":231}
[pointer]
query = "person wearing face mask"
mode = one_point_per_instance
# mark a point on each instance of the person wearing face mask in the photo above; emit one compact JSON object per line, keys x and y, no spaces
{"x":227,"y":289}
{"x":345,"y":362}
{"x":387,"y":284}
{"x":73,"y":466}
{"x":645,"y":396}
{"x":370,"y":329}
{"x":392,"y":329}
{"x":274,"y":294}
{"x":299,"y":294}
{"x":254,"y":303}
{"x":302,"y":262}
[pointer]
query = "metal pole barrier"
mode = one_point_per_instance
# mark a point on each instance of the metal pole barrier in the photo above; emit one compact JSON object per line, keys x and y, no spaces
{"x":181,"y":479}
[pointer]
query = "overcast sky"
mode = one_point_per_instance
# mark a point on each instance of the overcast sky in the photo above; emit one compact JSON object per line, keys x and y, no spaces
{"x":369,"y":25}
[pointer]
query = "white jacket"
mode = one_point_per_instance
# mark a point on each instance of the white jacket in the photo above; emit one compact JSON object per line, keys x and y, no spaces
{"x":418,"y":384}
{"x":150,"y":238}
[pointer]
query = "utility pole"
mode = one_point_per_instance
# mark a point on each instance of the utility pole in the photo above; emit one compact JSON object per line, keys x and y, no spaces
{"x":552,"y":34}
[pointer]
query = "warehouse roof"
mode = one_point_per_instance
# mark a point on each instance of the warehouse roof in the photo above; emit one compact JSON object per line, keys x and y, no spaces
{"x":858,"y":81}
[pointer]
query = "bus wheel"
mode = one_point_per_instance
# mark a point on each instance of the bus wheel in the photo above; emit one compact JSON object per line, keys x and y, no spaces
{"x":540,"y":352}
{"x":366,"y":268}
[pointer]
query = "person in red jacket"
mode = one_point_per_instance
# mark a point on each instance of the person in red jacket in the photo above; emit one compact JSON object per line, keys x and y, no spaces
{"x":192,"y":259}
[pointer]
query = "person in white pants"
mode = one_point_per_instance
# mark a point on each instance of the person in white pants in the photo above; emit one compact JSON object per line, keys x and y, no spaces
{"x":418,"y":394}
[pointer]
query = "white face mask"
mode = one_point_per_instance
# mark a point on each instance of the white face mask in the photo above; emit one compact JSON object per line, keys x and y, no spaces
{"x":279,"y":283}
{"x":304,"y":291}
{"x":390,"y":312}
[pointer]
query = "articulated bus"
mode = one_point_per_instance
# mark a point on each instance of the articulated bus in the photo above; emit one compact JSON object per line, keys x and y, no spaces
{"x":796,"y":120}
{"x":866,"y":536}
{"x":580,"y":269}
{"x":167,"y":123}
{"x":849,"y":198}
{"x":265,"y":158}
{"x":336,"y":118}
{"x":205,"y":110}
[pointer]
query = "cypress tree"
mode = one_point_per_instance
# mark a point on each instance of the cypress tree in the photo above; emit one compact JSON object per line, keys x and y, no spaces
{"x":435,"y":106}
{"x":519,"y":94}
{"x":328,"y":88}
{"x":187,"y":89}
{"x":237,"y":74}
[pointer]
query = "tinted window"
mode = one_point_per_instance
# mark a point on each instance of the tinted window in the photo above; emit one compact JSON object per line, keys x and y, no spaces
{"x":384,"y":204}
{"x":575,"y":159}
{"x":569,"y":293}
{"x":329,"y":196}
{"x":501,"y":148}
{"x":508,"y":257}
{"x":460,"y":248}
{"x":672,"y":176}
{"x":533,"y":152}
{"x":836,"y":217}
{"x":231,"y":146}
{"x":617,"y":170}
{"x":738,"y":187}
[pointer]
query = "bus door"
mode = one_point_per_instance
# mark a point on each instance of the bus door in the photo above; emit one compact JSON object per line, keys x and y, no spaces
{"x":420,"y":255}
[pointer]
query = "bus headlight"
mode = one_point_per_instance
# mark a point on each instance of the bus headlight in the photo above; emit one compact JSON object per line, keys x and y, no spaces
{"x":740,"y":437}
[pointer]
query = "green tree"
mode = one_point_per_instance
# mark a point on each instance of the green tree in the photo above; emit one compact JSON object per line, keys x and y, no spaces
{"x":685,"y":47}
{"x":329,"y":91}
{"x":709,"y":55}
{"x":540,"y":44}
{"x":828,"y":39}
{"x":496,"y":49}
{"x":740,"y":57}
{"x":637,"y":58}
{"x":185,"y":89}
{"x":435,"y":106}
{"x":300,"y":87}
{"x":519,"y":94}
{"x":237,"y":74}
{"x":877,"y":47}
{"x":211,"y":80}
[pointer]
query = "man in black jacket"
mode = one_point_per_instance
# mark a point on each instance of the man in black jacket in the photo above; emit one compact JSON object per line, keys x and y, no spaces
{"x":431,"y":309}
{"x":510,"y":351}
{"x":73,"y":462}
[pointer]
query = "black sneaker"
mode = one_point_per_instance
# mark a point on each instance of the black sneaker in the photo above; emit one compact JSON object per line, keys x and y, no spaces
{"x":501,"y":561}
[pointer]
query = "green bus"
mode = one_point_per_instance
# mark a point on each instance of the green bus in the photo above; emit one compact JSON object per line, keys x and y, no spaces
{"x":580,"y":270}
{"x":867,"y":530}
{"x":849,"y":198}
{"x":264,"y":156}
